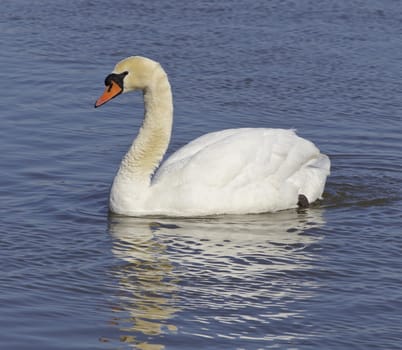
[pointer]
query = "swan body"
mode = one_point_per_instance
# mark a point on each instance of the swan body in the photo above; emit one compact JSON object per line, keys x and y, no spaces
{"x":234,"y":171}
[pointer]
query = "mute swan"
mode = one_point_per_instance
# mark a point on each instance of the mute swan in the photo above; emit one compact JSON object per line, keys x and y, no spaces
{"x":234,"y":171}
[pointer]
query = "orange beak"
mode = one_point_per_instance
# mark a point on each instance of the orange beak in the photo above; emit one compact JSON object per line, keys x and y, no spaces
{"x":110,"y":92}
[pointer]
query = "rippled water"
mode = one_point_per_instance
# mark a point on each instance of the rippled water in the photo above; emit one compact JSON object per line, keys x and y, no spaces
{"x":75,"y":277}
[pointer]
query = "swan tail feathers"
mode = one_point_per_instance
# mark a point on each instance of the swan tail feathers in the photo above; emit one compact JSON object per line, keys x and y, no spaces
{"x":314,"y":176}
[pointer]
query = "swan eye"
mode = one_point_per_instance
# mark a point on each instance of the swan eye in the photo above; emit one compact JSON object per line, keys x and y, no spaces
{"x":117,"y":78}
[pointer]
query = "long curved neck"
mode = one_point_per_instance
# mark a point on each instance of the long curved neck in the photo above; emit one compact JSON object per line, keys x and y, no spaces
{"x":153,"y":138}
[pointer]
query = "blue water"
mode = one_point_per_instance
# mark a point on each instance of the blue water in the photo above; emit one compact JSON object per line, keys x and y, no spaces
{"x":75,"y":277}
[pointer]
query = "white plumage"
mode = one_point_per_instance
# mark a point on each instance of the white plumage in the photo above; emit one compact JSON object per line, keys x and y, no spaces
{"x":234,"y":171}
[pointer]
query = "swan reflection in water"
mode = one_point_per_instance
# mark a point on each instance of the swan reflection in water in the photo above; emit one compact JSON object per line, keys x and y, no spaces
{"x":172,"y":268}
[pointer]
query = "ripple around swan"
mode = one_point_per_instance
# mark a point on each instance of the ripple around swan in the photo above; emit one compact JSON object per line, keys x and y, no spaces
{"x":249,"y":279}
{"x":183,"y":270}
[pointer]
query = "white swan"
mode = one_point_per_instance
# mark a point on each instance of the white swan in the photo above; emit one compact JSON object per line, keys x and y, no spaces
{"x":234,"y":171}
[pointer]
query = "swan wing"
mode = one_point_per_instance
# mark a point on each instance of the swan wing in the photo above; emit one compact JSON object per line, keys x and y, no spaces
{"x":200,"y":143}
{"x":266,"y":167}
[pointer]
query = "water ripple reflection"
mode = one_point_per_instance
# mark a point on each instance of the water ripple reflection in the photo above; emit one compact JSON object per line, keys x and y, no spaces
{"x":223,"y":278}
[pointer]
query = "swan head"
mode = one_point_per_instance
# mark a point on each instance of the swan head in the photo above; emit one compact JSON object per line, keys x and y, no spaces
{"x":132,"y":73}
